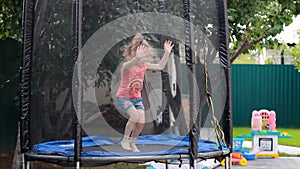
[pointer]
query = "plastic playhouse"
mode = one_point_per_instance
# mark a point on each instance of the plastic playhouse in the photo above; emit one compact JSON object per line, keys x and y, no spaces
{"x":264,"y":134}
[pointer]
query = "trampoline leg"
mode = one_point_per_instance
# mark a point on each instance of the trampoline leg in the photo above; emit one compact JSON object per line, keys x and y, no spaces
{"x":195,"y":165}
{"x":167,"y":166}
{"x":28,"y":165}
{"x":77,"y":165}
{"x":228,"y":163}
{"x":25,"y":164}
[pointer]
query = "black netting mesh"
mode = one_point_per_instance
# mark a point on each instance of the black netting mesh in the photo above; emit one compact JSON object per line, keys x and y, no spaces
{"x":175,"y":99}
{"x":113,"y":29}
{"x":52,"y":69}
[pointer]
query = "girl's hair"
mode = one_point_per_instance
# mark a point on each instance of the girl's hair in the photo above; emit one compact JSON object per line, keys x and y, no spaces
{"x":129,"y":50}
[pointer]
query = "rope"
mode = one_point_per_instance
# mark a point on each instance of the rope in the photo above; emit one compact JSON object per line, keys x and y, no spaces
{"x":218,"y":130}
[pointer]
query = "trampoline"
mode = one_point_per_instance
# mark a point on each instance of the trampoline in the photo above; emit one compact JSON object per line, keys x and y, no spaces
{"x":71,"y":71}
{"x":104,"y":150}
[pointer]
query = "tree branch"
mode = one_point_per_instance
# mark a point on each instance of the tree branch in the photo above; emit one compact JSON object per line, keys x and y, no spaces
{"x":245,"y":45}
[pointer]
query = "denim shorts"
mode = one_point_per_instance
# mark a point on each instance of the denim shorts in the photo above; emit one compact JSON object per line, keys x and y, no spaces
{"x":124,"y":104}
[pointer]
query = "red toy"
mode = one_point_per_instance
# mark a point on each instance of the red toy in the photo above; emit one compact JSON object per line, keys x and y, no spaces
{"x":236,"y":158}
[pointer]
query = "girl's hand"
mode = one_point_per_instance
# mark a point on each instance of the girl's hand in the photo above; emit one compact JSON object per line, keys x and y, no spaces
{"x":141,"y":51}
{"x":168,"y":46}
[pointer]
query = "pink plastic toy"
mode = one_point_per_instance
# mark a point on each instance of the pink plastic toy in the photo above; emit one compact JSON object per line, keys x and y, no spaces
{"x":256,"y":121}
{"x":263,"y":119}
{"x":272,"y":121}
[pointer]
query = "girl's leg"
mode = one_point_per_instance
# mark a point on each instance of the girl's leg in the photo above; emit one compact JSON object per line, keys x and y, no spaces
{"x":130,"y":125}
{"x":129,"y":128}
{"x":138,"y":129}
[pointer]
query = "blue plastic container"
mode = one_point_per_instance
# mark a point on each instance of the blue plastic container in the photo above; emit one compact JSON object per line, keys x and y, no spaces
{"x":237,"y":144}
{"x":249,"y":156}
{"x":245,"y":150}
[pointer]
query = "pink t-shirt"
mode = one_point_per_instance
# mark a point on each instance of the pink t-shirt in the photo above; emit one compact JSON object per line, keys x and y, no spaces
{"x":131,"y":83}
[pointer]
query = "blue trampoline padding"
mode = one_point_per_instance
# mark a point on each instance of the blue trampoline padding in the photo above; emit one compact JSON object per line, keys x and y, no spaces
{"x":64,"y":147}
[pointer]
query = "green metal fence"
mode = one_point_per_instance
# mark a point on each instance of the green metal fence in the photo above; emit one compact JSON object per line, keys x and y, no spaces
{"x":272,"y":87}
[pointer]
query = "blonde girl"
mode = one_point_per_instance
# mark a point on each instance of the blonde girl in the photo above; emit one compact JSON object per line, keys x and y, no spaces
{"x":128,"y":96}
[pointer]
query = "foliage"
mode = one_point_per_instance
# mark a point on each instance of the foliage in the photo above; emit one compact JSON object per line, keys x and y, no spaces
{"x":245,"y":59}
{"x":294,"y":52}
{"x":253,"y":24}
{"x":270,"y":61}
{"x":10,"y":19}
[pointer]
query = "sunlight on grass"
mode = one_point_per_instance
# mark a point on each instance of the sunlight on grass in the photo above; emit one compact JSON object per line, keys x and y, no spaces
{"x":295,"y":141}
{"x":287,"y":155}
{"x":241,"y":131}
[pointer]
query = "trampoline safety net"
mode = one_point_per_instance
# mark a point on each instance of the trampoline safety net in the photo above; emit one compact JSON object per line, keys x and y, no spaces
{"x":74,"y":67}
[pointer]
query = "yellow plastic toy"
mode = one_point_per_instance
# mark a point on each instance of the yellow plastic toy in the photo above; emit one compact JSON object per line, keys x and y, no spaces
{"x":236,"y":158}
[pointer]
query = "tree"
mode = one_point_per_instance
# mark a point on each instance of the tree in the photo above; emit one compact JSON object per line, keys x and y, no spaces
{"x":10,"y":28}
{"x":10,"y":33}
{"x":294,"y":51}
{"x":10,"y":19}
{"x":254,"y":24}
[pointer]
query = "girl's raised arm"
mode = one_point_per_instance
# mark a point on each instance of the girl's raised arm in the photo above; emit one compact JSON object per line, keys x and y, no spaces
{"x":168,"y":45}
{"x":139,"y":55}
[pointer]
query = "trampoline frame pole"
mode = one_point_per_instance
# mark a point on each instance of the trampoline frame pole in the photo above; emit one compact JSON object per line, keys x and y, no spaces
{"x":226,"y":64}
{"x":76,"y":52}
{"x":23,"y":161}
{"x":228,"y":163}
{"x":193,"y":96}
{"x":78,"y":165}
{"x":195,"y":164}
{"x":167,"y":166}
{"x":25,"y":78}
{"x":27,"y":164}
{"x":164,"y":76}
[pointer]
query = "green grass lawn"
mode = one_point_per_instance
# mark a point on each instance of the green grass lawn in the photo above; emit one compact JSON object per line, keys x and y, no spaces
{"x":294,"y":141}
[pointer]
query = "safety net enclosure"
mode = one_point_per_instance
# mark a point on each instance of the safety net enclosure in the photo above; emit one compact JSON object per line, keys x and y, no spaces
{"x":72,"y":72}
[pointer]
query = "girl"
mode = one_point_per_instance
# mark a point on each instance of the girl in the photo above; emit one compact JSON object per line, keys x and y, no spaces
{"x":128,"y":96}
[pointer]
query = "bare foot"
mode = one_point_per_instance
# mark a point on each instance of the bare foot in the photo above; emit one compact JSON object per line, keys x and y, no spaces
{"x":125,"y":145}
{"x":134,"y":147}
